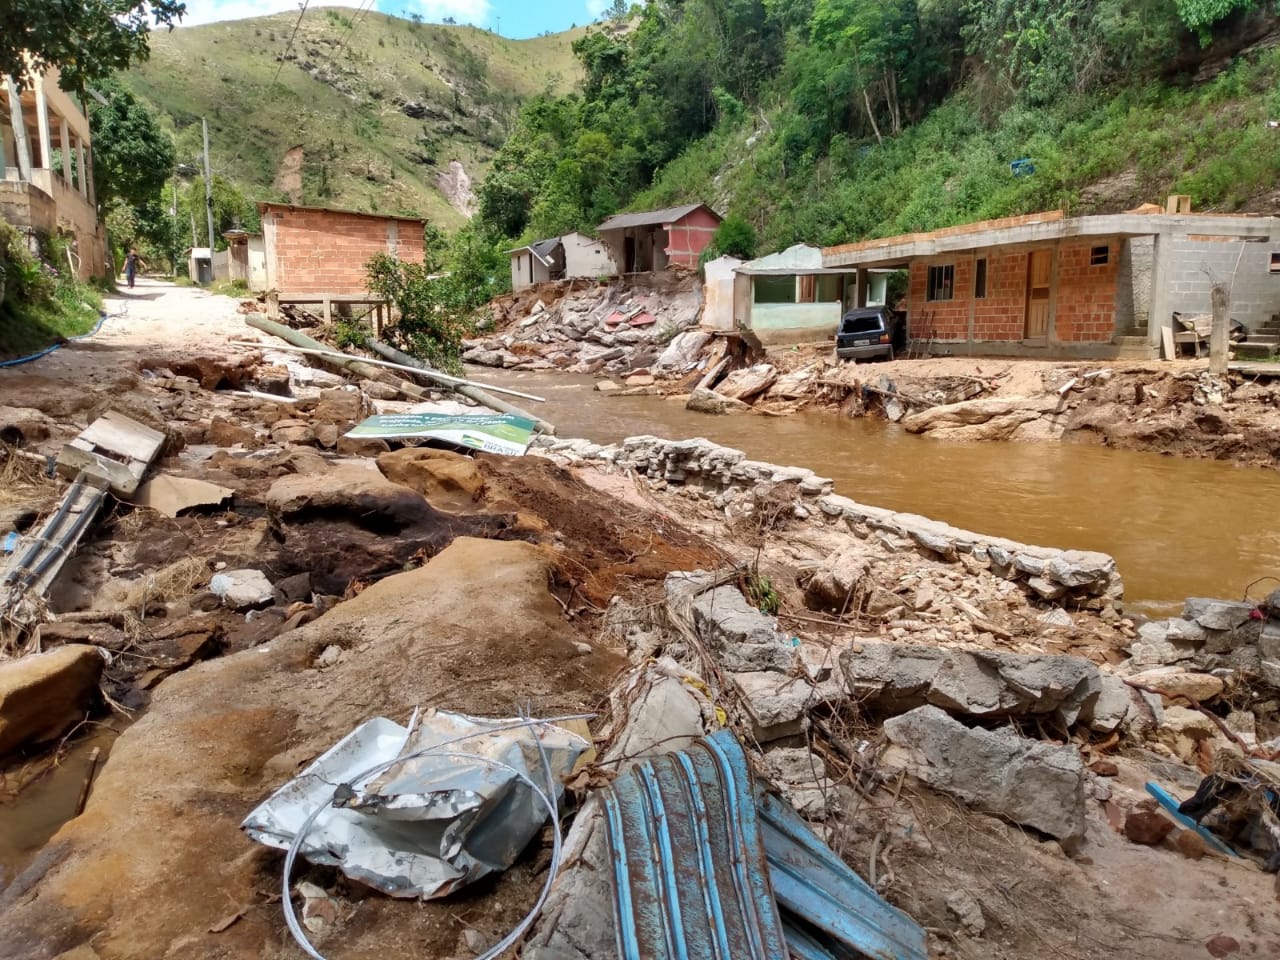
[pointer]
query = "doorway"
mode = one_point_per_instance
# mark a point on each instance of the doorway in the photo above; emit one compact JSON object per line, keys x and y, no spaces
{"x":1039,"y":272}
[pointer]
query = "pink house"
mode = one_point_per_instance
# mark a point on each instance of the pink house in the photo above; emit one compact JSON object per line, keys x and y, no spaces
{"x":641,"y":242}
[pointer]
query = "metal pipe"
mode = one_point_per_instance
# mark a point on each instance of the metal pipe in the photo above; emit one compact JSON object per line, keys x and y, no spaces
{"x":472,"y":391}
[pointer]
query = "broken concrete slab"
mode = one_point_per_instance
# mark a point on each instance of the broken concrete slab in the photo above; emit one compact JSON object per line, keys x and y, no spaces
{"x":44,"y":695}
{"x":242,"y":589}
{"x":1024,"y":781}
{"x":171,"y":495}
{"x":894,"y":678}
{"x":775,"y":704}
{"x":743,"y":638}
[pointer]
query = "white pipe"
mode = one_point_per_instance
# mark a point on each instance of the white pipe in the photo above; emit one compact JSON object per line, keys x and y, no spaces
{"x":430,"y":374}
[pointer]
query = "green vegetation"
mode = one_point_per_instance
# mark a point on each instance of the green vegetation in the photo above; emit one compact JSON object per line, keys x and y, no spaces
{"x":41,"y":302}
{"x":436,"y":311}
{"x":85,"y":41}
{"x":380,"y":108}
{"x":827,"y":121}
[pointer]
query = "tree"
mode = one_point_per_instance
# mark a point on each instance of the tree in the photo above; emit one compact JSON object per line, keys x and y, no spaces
{"x":85,"y":39}
{"x":735,"y":238}
{"x":133,"y":157}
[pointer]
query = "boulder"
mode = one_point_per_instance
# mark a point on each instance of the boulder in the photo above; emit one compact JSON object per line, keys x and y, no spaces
{"x":971,"y":412}
{"x":892,"y":678}
{"x":682,"y":352}
{"x":225,"y":433}
{"x":1201,"y":687}
{"x":340,"y":406}
{"x":832,"y":586}
{"x":996,"y":771}
{"x":361,"y":446}
{"x":327,"y":435}
{"x":44,"y":695}
{"x":242,"y":589}
{"x":640,"y":380}
{"x":748,"y":383}
{"x":292,"y":431}
{"x":703,"y":400}
{"x":448,"y":480}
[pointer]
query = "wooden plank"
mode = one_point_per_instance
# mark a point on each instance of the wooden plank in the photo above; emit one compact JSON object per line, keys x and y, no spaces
{"x":1166,"y":338}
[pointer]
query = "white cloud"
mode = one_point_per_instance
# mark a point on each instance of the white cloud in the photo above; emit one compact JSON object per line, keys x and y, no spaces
{"x":596,"y":7}
{"x":211,"y":11}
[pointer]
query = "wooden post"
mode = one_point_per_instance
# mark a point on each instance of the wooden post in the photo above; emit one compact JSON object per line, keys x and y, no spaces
{"x":1221,"y":299}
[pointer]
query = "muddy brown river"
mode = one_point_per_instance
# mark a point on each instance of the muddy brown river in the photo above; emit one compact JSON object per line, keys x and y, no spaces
{"x":1177,"y":528}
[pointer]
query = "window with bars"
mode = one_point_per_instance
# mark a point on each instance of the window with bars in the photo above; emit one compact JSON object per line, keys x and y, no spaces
{"x":942,"y":281}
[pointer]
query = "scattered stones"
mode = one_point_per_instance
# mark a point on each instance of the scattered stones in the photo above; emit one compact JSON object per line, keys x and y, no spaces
{"x":1147,"y":827}
{"x":996,"y":771}
{"x":43,"y":695}
{"x":967,"y":911}
{"x":242,"y":589}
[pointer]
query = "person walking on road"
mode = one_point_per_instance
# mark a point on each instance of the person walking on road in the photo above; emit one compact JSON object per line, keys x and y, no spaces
{"x":132,"y":264}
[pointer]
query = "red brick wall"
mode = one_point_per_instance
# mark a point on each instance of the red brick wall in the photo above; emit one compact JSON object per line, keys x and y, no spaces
{"x":689,"y":236}
{"x":1086,"y":303}
{"x":324,"y":251}
{"x":944,"y":319}
{"x":1003,"y":314}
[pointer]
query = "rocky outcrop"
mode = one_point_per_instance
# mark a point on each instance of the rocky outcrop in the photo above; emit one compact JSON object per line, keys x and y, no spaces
{"x":44,"y":695}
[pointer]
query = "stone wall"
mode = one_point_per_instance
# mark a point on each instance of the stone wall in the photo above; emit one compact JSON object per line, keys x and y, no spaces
{"x":722,"y":474}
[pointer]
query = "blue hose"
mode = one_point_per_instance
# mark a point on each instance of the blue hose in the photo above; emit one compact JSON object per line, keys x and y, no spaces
{"x":102,"y":318}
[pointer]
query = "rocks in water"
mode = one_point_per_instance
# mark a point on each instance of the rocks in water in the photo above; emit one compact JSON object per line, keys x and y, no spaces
{"x":748,"y":383}
{"x":242,"y":589}
{"x":996,"y":771}
{"x":702,"y":400}
{"x":682,"y":352}
{"x":43,"y":695}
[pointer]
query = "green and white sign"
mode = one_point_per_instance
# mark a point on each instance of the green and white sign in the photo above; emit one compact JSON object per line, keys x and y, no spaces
{"x":496,"y":433}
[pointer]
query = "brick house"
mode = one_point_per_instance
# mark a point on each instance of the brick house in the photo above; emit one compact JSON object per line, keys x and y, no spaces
{"x":653,"y":239}
{"x":315,"y":251}
{"x":1051,"y":286}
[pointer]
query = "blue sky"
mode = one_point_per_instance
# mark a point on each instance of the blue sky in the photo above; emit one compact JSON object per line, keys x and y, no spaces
{"x":513,"y":18}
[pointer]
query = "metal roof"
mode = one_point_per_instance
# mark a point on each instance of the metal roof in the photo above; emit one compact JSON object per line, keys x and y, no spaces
{"x":708,"y":865}
{"x":542,"y":249}
{"x":649,"y":217}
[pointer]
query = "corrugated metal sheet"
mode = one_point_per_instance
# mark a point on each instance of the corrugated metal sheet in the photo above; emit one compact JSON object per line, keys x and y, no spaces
{"x":703,"y":860}
{"x":649,"y":217}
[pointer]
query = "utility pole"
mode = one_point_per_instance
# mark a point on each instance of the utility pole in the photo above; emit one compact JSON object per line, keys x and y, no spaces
{"x":208,"y":184}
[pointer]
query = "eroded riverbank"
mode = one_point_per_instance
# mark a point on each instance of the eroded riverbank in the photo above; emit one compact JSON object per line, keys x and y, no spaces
{"x":1176,"y":527}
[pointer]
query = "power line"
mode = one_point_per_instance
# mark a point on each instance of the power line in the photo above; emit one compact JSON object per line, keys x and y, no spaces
{"x":351,"y":27}
{"x":283,"y":57}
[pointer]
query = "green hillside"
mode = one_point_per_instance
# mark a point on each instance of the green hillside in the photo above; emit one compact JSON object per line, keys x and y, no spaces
{"x":380,"y":109}
{"x":829,"y":121}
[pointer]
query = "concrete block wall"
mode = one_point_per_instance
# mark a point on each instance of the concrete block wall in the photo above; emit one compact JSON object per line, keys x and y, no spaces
{"x":1085,"y":308}
{"x":1133,"y":284}
{"x":325,"y":251}
{"x":1199,"y":262}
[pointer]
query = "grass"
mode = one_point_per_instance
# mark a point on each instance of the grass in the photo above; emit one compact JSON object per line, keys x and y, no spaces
{"x":27,"y":328}
{"x":230,"y":288}
{"x":1103,"y":154}
{"x":346,"y":97}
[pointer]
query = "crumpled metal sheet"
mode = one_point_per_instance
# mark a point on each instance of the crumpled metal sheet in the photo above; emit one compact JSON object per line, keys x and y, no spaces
{"x":429,"y":825}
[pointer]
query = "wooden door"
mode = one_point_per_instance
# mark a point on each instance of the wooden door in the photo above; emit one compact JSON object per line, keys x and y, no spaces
{"x":1039,"y":272}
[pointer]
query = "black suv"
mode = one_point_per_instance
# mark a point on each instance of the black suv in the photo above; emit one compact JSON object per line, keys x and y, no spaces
{"x":869,"y":332}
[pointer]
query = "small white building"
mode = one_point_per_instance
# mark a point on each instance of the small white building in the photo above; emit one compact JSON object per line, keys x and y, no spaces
{"x":717,"y":293}
{"x":572,"y":256}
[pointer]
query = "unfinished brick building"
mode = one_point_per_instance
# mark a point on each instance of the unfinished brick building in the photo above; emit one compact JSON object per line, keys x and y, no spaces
{"x":315,"y":250}
{"x":1049,"y":286}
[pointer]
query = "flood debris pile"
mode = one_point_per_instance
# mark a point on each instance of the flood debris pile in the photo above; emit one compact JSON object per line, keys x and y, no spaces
{"x":620,"y":328}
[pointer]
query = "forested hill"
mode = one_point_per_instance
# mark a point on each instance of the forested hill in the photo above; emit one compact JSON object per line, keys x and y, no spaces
{"x":831,"y":120}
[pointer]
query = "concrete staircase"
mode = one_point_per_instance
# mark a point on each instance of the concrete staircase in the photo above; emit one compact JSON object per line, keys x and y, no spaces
{"x":1261,"y":344}
{"x":1132,"y":344}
